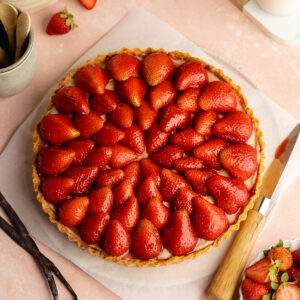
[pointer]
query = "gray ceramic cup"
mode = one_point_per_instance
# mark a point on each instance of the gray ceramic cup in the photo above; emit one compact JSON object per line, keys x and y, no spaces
{"x":16,"y":77}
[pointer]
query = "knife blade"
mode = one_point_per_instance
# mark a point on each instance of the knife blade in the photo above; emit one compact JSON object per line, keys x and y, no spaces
{"x":225,"y":280}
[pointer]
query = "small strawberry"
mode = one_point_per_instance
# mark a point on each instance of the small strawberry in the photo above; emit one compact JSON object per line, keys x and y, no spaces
{"x":191,"y":74}
{"x":61,"y":23}
{"x":157,"y":67}
{"x":71,"y":99}
{"x":104,"y":103}
{"x":229,"y":193}
{"x":128,"y":213}
{"x":235,"y":127}
{"x":122,"y":192}
{"x":88,"y":4}
{"x":145,"y":241}
{"x":122,"y":116}
{"x":204,"y":121}
{"x":259,"y":271}
{"x":122,"y":66}
{"x":132,"y":173}
{"x":183,"y":199}
{"x":150,"y":169}
{"x":172,"y":117}
{"x":178,"y":236}
{"x":93,"y":227}
{"x":108,"y":135}
{"x":288,"y":291}
{"x":72,"y":211}
{"x":188,"y":100}
{"x":294,"y":275}
{"x":121,"y":156}
{"x":166,"y":156}
{"x":57,"y":129}
{"x":162,"y":94}
{"x":145,"y":115}
{"x":99,"y":157}
{"x":57,"y":189}
{"x":240,"y":160}
{"x":187,"y":163}
{"x":146,"y":191}
{"x":116,"y":238}
{"x":282,"y":254}
{"x":83,"y":176}
{"x":218,"y":96}
{"x":209,"y":152}
{"x":109,"y":177}
{"x":134,"y":138}
{"x":81,"y":148}
{"x":296,"y":256}
{"x":54,"y":160}
{"x":92,"y":79}
{"x":198,"y":179}
{"x":209,"y":221}
{"x":252,"y":290}
{"x":101,"y":201}
{"x":88,"y":124}
{"x":155,"y":138}
{"x":171,"y":182}
{"x":187,"y":139}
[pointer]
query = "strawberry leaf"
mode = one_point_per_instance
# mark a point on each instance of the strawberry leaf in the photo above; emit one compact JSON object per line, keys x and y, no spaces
{"x":274,"y":285}
{"x":284,"y":277}
{"x":266,"y":297}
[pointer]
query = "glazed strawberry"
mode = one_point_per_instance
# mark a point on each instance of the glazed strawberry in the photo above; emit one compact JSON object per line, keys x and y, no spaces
{"x":101,"y":201}
{"x":288,"y":291}
{"x":88,"y":124}
{"x":259,"y":271}
{"x":61,"y":23}
{"x":83,"y":176}
{"x":171,"y":182}
{"x":145,"y":115}
{"x":188,"y":100}
{"x":134,"y":138}
{"x":145,"y":241}
{"x":209,"y":221}
{"x":229,"y":193}
{"x":122,"y":192}
{"x":93,"y":227}
{"x":132,"y":90}
{"x":240,"y":160}
{"x":162,"y":94}
{"x":173,"y":117}
{"x":72,"y":211}
{"x":252,"y":290}
{"x":157,"y":213}
{"x":191,"y":74}
{"x":296,"y":256}
{"x":209,"y":152}
{"x":198,"y":179}
{"x":122,"y":116}
{"x":187,"y":163}
{"x":235,"y":127}
{"x":166,"y":156}
{"x":57,"y":189}
{"x":282,"y":254}
{"x":57,"y":129}
{"x":109,"y":177}
{"x":157,"y":67}
{"x":155,"y":138}
{"x":92,"y":80}
{"x":146,"y":191}
{"x":204,"y":122}
{"x":104,"y":103}
{"x":81,"y":148}
{"x":187,"y":139}
{"x":178,"y":236}
{"x":99,"y":157}
{"x":71,"y":99}
{"x":150,"y":169}
{"x":54,"y":160}
{"x":128,"y":213}
{"x":183,"y":199}
{"x":121,"y":156}
{"x":122,"y":66}
{"x":88,"y":4}
{"x":116,"y":238}
{"x":294,"y":275}
{"x":132,"y":173}
{"x":218,"y":96}
{"x":108,"y":135}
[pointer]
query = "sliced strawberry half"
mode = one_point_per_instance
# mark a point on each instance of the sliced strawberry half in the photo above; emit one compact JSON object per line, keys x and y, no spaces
{"x":204,"y":122}
{"x":183,"y":199}
{"x":81,"y":148}
{"x":132,"y":173}
{"x":150,"y":169}
{"x":121,"y":156}
{"x":108,"y":135}
{"x":109,"y":177}
{"x":122,"y":192}
{"x":99,"y":157}
{"x":146,"y":191}
{"x":134,"y":138}
{"x":188,"y":100}
{"x":104,"y":103}
{"x":122,"y":116}
{"x":100,"y":201}
{"x":155,"y":138}
{"x":145,"y":116}
{"x":187,"y":163}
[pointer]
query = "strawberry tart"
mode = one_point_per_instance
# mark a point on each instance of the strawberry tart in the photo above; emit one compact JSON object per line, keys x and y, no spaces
{"x":147,"y":157}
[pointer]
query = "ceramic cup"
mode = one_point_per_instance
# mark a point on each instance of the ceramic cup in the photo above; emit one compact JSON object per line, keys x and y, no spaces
{"x":280,"y":7}
{"x":16,"y":77}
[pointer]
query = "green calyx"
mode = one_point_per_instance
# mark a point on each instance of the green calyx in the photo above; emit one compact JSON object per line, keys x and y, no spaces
{"x":266,"y":297}
{"x":69,"y":18}
{"x":273,"y":272}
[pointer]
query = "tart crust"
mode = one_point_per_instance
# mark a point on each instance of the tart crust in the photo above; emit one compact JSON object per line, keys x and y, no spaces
{"x":38,"y":144}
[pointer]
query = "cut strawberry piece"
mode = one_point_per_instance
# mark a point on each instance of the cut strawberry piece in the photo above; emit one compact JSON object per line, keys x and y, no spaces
{"x":88,"y":4}
{"x":132,"y":173}
{"x":150,"y":169}
{"x":122,"y":116}
{"x":204,"y":122}
{"x":157,"y":67}
{"x":99,"y":157}
{"x":288,"y":291}
{"x":101,"y":201}
{"x":122,"y":66}
{"x":155,"y":138}
{"x":191,"y":74}
{"x":146,"y":191}
{"x":81,"y":148}
{"x":188,"y":100}
{"x":57,"y":129}
{"x":104,"y":103}
{"x":134,"y":139}
{"x":121,"y":156}
{"x":145,"y":115}
{"x":187,"y":163}
{"x":259,"y":271}
{"x":88,"y":124}
{"x":108,"y":135}
{"x":296,"y":256}
{"x":122,"y":192}
{"x":109,"y":177}
{"x":252,"y":290}
{"x":282,"y":254}
{"x":183,"y":199}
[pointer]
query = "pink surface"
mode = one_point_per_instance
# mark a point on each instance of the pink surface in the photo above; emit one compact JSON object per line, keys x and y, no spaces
{"x":215,"y":25}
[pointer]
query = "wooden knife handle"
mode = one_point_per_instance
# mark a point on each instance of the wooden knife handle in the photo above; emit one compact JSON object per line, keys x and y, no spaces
{"x":225,"y":280}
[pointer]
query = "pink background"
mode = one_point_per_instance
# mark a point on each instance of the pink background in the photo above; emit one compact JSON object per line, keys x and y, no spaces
{"x":216,"y":25}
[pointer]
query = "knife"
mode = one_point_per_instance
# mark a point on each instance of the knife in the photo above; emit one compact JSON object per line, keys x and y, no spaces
{"x":225,"y":280}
